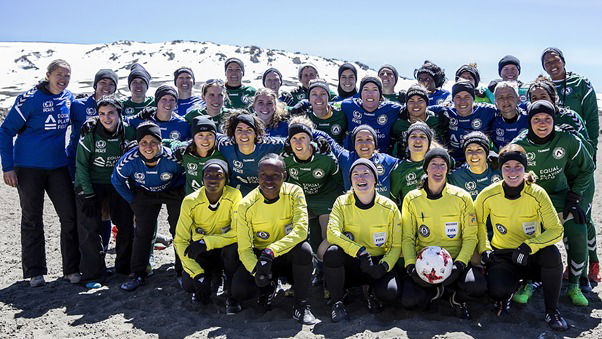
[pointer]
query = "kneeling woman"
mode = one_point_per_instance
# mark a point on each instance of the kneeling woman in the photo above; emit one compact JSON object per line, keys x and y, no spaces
{"x":365,"y":231}
{"x":522,"y":248}
{"x":438,"y":214}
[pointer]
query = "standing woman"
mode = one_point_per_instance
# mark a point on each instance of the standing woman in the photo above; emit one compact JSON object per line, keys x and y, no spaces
{"x":347,"y":82}
{"x":271,"y":112}
{"x":365,"y":232}
{"x":432,"y":77}
{"x":438,"y":214}
{"x":213,"y":94}
{"x":522,"y":247}
{"x":37,"y":163}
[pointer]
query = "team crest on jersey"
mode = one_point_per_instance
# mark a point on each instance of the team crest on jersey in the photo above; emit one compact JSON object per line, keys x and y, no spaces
{"x":318,"y":173}
{"x":496,"y":178}
{"x":245,"y":99}
{"x":294,"y":173}
{"x":411,"y":176}
{"x":380,"y":170}
{"x":165,"y":176}
{"x":470,"y":185}
{"x":558,"y":153}
{"x":139,"y":176}
{"x":382,"y":119}
{"x":174,"y":135}
{"x":48,"y":104}
{"x":424,"y":231}
{"x":349,"y":235}
{"x":100,"y":144}
{"x":357,"y":115}
{"x":440,"y":101}
{"x":90,"y":111}
{"x":476,"y":123}
{"x":192,"y":166}
{"x":262,"y":235}
{"x":237,"y":164}
{"x":199,"y":230}
{"x":499,"y":132}
{"x":129,"y":110}
{"x":568,"y":90}
{"x":530,"y":156}
{"x":501,"y":228}
{"x":335,"y":129}
{"x":453,"y":122}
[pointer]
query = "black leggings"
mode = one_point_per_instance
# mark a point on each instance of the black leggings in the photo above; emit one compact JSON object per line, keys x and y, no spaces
{"x":213,"y":262}
{"x":296,"y":265}
{"x":342,"y":271}
{"x":503,"y":276}
{"x":470,"y":285}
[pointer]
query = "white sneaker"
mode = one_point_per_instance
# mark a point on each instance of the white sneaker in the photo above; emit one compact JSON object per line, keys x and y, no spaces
{"x":37,"y":281}
{"x":73,"y":278}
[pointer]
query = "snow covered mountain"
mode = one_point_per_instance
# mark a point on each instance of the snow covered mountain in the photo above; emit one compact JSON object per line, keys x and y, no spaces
{"x":24,"y":64}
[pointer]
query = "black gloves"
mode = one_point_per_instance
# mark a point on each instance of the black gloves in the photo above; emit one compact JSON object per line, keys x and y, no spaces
{"x":300,"y":107}
{"x":521,"y":254}
{"x":411,"y":270}
{"x":457,"y":270}
{"x":368,"y":267}
{"x":379,"y":270}
{"x":88,"y":127}
{"x":485,"y":258}
{"x":90,"y":207}
{"x":147,"y":112}
{"x":571,"y":205}
{"x":263,"y":268}
{"x":195,"y":248}
{"x":323,"y":146}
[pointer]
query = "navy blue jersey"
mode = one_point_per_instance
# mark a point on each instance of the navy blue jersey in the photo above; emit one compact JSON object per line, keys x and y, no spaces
{"x":382,"y":119}
{"x":438,"y":97}
{"x":243,"y":168}
{"x":339,"y":98}
{"x":187,"y":105}
{"x":168,"y":173}
{"x":481,"y":119}
{"x":39,"y":119}
{"x":281,"y":130}
{"x":471,"y":182}
{"x":81,"y":110}
{"x":176,"y":128}
{"x":384,"y":165}
{"x":504,"y":132}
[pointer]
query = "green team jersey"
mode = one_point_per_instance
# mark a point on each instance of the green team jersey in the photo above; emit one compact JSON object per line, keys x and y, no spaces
{"x":393,"y":98}
{"x":192,"y":163}
{"x":132,"y":108}
{"x":97,"y":154}
{"x":576,"y":92}
{"x":240,"y":97}
{"x":301,"y":93}
{"x":404,"y":178}
{"x":561,"y":160}
{"x":471,"y":182}
{"x":481,"y":95}
{"x":335,"y":125}
{"x":570,"y":118}
{"x":523,"y":91}
{"x":218,"y":119}
{"x":399,"y":133}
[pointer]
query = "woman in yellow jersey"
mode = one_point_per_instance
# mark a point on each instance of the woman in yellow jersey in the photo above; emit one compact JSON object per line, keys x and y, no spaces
{"x":205,"y":239}
{"x":365,"y":232}
{"x":522,"y":247}
{"x":440,"y":214}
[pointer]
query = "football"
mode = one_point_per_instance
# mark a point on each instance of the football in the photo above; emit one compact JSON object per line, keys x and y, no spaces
{"x":434,"y":264}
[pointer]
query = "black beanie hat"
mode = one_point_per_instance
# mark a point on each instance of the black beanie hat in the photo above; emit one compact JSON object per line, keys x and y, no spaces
{"x":247,"y":119}
{"x":299,"y":128}
{"x":541,"y":106}
{"x":436,"y":152}
{"x":470,"y":69}
{"x":202,"y":123}
{"x":513,"y":155}
{"x":271,"y":69}
{"x":508,"y":60}
{"x":138,"y":71}
{"x":105,"y":74}
{"x":553,"y":50}
{"x":363,"y":128}
{"x":110,"y":100}
{"x":148,"y":128}
{"x":235,"y":60}
{"x":418,"y":90}
{"x":463,"y":86}
{"x":478,"y":138}
{"x":313,"y":83}
{"x":181,"y":70}
{"x":218,"y":162}
{"x":420,"y":126}
{"x":374,"y":80}
{"x":393,"y":69}
{"x":164,"y":90}
{"x":367,"y":163}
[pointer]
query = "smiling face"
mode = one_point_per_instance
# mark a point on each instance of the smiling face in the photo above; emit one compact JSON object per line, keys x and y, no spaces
{"x":58,"y":79}
{"x":437,"y":171}
{"x":513,"y":173}
{"x":416,"y":107}
{"x":370,"y":97}
{"x":166,"y":104}
{"x":387,"y":76}
{"x":273,"y":81}
{"x":301,"y":145}
{"x":271,"y":177}
{"x":427,"y":81}
{"x":418,"y":142}
{"x":364,"y":144}
{"x":214,"y":179}
{"x":214,"y":99}
{"x":234,"y":74}
{"x":362,"y":179}
{"x":475,"y":156}
{"x":104,"y":87}
{"x":184,"y":82}
{"x":307,"y":74}
{"x":204,"y":142}
{"x":538,"y":93}
{"x":506,"y":101}
{"x":463,"y":103}
{"x":264,"y":107}
{"x":542,"y":124}
{"x":138,"y":88}
{"x":109,"y":118}
{"x":318,"y":98}
{"x":509,"y":73}
{"x":347,"y":80}
{"x":149,"y":146}
{"x":554,"y":66}
{"x":244,"y":135}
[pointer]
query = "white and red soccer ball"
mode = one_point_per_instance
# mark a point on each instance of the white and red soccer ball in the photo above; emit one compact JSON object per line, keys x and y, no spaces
{"x":434,"y":264}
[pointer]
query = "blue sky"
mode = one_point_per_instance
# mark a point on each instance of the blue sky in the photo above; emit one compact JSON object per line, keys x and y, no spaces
{"x":373,"y":32}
